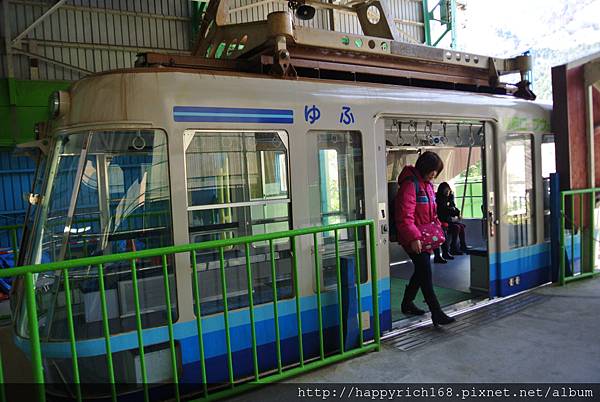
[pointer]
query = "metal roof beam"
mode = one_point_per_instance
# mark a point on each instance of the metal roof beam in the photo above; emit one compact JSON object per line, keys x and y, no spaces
{"x":107,"y":11}
{"x":35,"y":23}
{"x":52,"y":61}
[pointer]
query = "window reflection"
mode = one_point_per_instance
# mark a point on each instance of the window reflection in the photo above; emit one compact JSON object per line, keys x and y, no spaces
{"x":337,"y":196}
{"x":519,"y":191}
{"x":106,"y":192}
{"x":237,"y":185}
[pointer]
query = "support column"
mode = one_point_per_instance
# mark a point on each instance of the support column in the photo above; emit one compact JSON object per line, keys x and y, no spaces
{"x":575,"y":117}
{"x":426,"y":21}
{"x":591,"y":78}
{"x":453,"y":24}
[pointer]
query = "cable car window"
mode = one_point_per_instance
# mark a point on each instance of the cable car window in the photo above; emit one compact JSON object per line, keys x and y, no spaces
{"x":469,"y":197}
{"x":237,"y":185}
{"x":548,"y":160}
{"x":519,"y":212}
{"x":336,"y":195}
{"x":106,"y":192}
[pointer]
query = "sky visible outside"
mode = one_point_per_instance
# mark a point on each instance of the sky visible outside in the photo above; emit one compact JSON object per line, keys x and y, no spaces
{"x":555,"y":31}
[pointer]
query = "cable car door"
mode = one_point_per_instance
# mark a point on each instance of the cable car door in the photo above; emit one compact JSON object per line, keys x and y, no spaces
{"x":382,"y":223}
{"x":484,"y":265}
{"x":516,"y":266}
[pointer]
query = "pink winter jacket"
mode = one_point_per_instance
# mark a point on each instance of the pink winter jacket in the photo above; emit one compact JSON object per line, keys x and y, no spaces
{"x":412,"y":209}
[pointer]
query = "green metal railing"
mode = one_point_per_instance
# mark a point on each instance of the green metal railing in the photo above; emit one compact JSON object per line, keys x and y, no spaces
{"x":578,"y":212}
{"x":12,"y":231}
{"x":165,"y":254}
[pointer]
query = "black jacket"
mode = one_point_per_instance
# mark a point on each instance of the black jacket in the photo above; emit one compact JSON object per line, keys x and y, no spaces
{"x":446,"y":208}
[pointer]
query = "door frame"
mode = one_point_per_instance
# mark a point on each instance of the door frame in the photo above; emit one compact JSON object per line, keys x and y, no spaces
{"x":490,"y":187}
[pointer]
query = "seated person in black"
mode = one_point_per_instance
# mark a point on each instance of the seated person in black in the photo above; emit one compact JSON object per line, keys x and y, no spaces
{"x":449,"y":214}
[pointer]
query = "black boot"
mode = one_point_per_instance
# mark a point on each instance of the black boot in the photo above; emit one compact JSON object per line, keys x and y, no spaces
{"x":454,"y":247}
{"x":407,"y":306}
{"x":438,"y":259}
{"x":445,"y":253}
{"x":456,"y":251}
{"x":438,"y":317}
{"x":410,"y":308}
{"x":463,"y":241}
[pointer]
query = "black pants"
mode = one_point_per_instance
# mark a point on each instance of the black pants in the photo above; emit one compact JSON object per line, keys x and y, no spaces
{"x":457,"y":230}
{"x":421,"y":278}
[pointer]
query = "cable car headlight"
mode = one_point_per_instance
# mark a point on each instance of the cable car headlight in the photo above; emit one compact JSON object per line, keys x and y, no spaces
{"x":59,"y":103}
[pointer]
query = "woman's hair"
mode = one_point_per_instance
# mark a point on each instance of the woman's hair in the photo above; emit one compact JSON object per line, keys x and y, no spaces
{"x":441,"y":190}
{"x":429,"y":162}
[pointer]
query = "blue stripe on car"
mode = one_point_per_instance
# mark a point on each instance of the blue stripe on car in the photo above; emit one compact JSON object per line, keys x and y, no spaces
{"x":232,"y":115}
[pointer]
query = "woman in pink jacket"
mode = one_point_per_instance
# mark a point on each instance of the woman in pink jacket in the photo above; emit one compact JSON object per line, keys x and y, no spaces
{"x":414,"y":207}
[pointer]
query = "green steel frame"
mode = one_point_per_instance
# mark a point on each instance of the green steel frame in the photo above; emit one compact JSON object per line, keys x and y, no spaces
{"x":234,"y":385}
{"x":198,"y":8}
{"x":447,"y":18}
{"x":13,"y":235}
{"x":585,"y":226}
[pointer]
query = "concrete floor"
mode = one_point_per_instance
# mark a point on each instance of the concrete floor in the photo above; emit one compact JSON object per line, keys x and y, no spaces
{"x":555,"y":340}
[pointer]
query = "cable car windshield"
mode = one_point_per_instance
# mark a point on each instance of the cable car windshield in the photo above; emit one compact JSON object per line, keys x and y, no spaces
{"x":106,"y":192}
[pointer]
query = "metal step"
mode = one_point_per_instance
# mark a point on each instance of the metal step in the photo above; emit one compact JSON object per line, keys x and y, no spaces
{"x":425,"y":333}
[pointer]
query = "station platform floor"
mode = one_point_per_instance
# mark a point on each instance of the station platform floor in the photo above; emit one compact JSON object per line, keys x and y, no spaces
{"x":547,"y":335}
